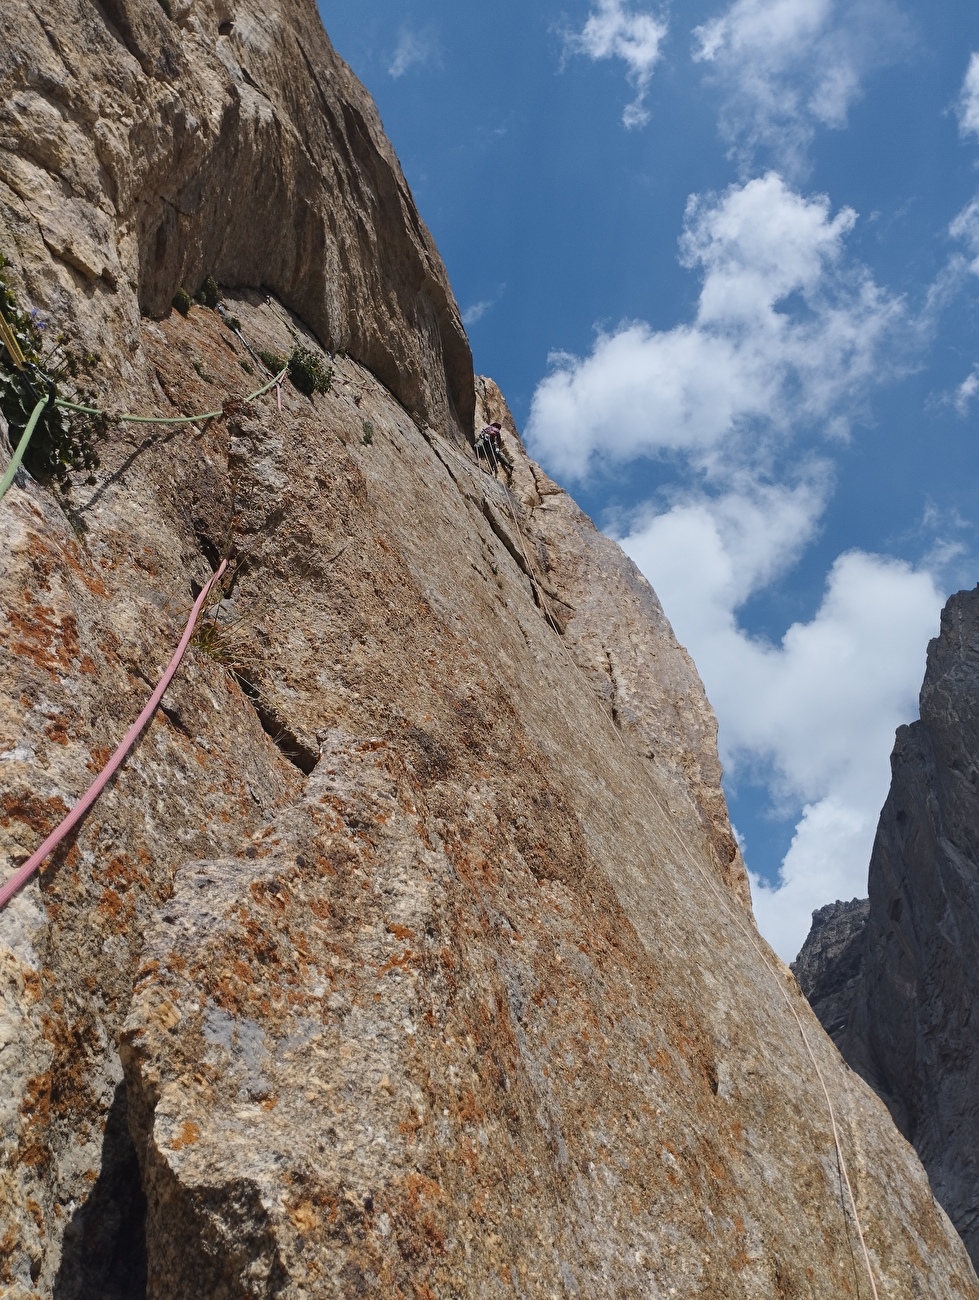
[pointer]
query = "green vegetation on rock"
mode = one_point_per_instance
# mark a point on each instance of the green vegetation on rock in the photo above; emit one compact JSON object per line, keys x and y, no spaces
{"x":64,"y":443}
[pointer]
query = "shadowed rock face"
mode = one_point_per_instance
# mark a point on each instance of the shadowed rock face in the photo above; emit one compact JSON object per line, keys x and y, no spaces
{"x":830,"y":962}
{"x":146,"y":145}
{"x":913,"y":1032}
{"x":407,"y":955}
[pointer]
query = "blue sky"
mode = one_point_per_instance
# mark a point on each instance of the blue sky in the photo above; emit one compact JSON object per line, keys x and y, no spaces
{"x":723,"y":260}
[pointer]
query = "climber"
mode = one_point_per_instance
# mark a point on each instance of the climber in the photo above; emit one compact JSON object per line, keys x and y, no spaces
{"x":490,"y":444}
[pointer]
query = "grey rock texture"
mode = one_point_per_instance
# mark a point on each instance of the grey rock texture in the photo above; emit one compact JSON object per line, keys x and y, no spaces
{"x":142,"y":149}
{"x":407,"y":955}
{"x":913,"y":1032}
{"x":830,"y":962}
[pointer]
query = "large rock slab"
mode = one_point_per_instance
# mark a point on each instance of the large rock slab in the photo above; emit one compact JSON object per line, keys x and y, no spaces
{"x":422,"y":962}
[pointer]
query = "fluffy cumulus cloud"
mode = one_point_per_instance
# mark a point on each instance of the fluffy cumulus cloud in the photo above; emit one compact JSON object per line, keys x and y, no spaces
{"x":745,"y":402}
{"x":786,"y":332}
{"x":414,"y":49}
{"x":787,"y":67}
{"x":813,"y":715}
{"x":969,"y":100}
{"x":613,"y":31}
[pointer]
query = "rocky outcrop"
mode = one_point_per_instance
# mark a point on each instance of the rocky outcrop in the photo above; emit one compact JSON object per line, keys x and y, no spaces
{"x":912,"y":1030}
{"x":145,"y":145}
{"x":614,"y":629}
{"x":407,"y":953}
{"x":830,"y":962}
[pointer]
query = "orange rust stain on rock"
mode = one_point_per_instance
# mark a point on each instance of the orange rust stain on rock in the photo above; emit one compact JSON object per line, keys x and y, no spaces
{"x":189,"y":1134}
{"x":111,"y":903}
{"x":35,"y":1155}
{"x":394,"y":962}
{"x":400,"y":931}
{"x":57,"y":731}
{"x":99,"y":757}
{"x":42,"y":815}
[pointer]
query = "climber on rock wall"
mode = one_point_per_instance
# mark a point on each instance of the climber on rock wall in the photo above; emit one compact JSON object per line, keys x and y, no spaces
{"x":490,"y":445}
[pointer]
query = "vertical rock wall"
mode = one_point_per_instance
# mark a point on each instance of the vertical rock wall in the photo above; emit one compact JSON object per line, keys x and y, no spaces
{"x":912,"y":1030}
{"x":407,"y":954}
{"x":145,"y":145}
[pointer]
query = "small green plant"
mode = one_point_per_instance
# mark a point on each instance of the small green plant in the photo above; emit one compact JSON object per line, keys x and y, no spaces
{"x":271,"y":361}
{"x":247,"y":366}
{"x":64,"y":442}
{"x":233,"y":323}
{"x":307,"y":371}
{"x":207,"y":294}
{"x":182,"y":302}
{"x":367,"y":436}
{"x":204,"y":374}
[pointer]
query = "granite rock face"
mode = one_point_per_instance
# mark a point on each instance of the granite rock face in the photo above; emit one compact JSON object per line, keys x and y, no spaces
{"x":830,"y":962}
{"x":407,"y":954}
{"x":621,"y":641}
{"x":912,"y":1031}
{"x":146,"y":144}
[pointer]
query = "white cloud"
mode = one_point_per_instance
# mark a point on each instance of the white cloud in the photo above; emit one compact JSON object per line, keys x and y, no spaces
{"x":612,"y":31}
{"x":966,"y":391}
{"x":814,"y":715}
{"x":787,"y":67}
{"x":786,"y":332}
{"x":827,"y":861}
{"x":969,"y":100}
{"x":965,"y":228}
{"x":475,"y":313}
{"x":414,"y":49}
{"x":788,"y":336}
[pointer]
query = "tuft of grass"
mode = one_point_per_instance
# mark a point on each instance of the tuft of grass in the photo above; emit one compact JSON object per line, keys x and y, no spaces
{"x":271,"y":360}
{"x":207,"y":294}
{"x":222,"y":639}
{"x":247,"y":366}
{"x":182,"y":302}
{"x":233,"y":323}
{"x":204,"y":374}
{"x":308,"y":372}
{"x":367,"y":437}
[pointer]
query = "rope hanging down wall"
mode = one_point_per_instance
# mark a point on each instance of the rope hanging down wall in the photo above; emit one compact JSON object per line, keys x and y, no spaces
{"x":24,"y":873}
{"x":18,"y":455}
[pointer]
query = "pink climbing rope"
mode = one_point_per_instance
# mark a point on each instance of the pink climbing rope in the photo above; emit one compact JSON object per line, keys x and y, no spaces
{"x":24,"y":873}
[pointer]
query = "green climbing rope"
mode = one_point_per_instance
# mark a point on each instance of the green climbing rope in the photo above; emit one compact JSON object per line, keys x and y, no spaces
{"x":167,"y":419}
{"x":18,"y":455}
{"x":25,"y":438}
